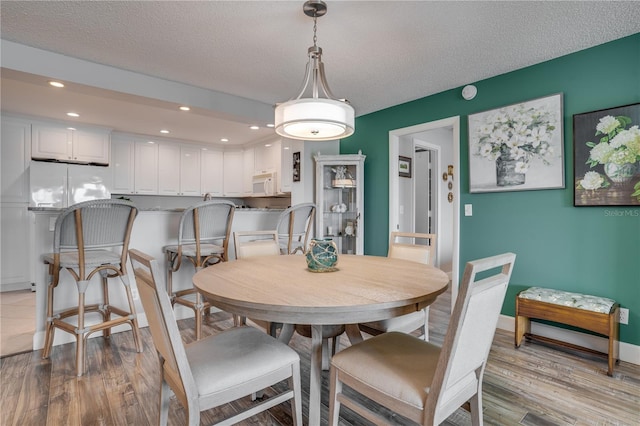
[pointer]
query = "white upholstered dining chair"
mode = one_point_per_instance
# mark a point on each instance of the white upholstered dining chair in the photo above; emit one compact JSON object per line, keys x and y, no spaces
{"x":250,"y":244}
{"x":294,"y":228}
{"x":214,"y":370}
{"x":420,"y":248}
{"x":203,"y":240}
{"x":419,"y":380}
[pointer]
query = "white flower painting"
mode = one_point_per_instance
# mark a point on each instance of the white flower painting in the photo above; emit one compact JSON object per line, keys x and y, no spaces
{"x":517,"y":147}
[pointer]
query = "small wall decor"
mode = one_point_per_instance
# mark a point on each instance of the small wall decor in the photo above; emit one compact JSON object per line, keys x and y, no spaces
{"x":404,"y":166}
{"x":296,"y":166}
{"x":517,"y":147}
{"x":606,"y":149}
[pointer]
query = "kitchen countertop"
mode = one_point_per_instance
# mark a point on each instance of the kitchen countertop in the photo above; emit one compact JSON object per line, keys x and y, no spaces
{"x":159,"y":209}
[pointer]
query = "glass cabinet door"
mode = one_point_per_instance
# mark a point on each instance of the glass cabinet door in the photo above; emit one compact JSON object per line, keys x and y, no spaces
{"x":340,"y":201}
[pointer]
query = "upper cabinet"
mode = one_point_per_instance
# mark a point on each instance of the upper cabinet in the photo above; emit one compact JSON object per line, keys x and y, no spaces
{"x":249,"y":167}
{"x":211,"y":172}
{"x":146,"y":167}
{"x":233,"y":174}
{"x":267,"y":157}
{"x":15,"y":142}
{"x":275,"y":156}
{"x":179,"y":169}
{"x":57,"y":142}
{"x":122,"y":164}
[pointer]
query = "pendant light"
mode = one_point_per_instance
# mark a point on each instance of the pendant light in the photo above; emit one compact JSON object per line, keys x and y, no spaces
{"x":315,"y":118}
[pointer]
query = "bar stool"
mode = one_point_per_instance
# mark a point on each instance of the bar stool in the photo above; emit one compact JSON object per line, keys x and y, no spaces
{"x":203,"y":240}
{"x":85,"y":237}
{"x":294,"y":227}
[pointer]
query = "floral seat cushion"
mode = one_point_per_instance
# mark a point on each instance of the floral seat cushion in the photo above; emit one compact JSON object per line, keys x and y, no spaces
{"x":565,"y":298}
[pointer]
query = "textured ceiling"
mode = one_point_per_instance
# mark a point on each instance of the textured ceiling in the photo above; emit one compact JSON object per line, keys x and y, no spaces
{"x":377,"y":53}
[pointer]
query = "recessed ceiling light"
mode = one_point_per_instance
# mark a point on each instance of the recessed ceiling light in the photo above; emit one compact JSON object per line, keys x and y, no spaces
{"x":71,"y":128}
{"x":150,"y":142}
{"x":73,"y":114}
{"x":185,"y":108}
{"x":164,"y":131}
{"x":285,"y":148}
{"x":224,"y":140}
{"x":254,"y":127}
{"x":56,"y":84}
{"x":267,"y":145}
{"x":271,"y":125}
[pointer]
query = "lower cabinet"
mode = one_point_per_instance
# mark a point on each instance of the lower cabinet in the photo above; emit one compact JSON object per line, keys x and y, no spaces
{"x":15,"y":263}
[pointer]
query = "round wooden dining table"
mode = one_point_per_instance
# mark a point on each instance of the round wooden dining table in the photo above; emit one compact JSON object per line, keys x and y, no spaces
{"x":282,"y":289}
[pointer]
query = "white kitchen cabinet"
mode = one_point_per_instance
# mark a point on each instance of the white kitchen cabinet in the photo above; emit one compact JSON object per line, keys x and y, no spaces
{"x":340,"y":201}
{"x":212,"y":172}
{"x":267,"y":157}
{"x":57,"y":142}
{"x":189,"y":170}
{"x":122,"y":164}
{"x":15,"y":264}
{"x":146,"y":168}
{"x":15,"y":140}
{"x":249,"y":166}
{"x":169,"y":165}
{"x":233,"y":174}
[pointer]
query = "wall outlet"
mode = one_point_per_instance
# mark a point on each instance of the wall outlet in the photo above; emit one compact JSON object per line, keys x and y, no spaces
{"x":134,"y":293}
{"x":624,"y":316}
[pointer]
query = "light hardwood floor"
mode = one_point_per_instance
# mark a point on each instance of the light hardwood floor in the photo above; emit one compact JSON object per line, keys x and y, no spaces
{"x":533,"y":385}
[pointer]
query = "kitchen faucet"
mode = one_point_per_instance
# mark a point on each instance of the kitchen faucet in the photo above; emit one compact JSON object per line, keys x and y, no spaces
{"x":207,"y":196}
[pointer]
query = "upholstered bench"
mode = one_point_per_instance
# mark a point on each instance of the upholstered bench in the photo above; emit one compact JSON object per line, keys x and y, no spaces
{"x":596,"y":314}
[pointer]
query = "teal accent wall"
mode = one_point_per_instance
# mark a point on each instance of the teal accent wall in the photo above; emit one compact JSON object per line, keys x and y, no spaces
{"x":592,"y":250}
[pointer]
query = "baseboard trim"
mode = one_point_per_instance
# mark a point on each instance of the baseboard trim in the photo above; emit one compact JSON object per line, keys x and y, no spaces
{"x":628,"y":352}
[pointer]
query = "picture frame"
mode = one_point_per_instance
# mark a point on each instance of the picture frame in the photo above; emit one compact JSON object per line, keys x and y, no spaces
{"x":404,"y":166}
{"x":606,"y":157}
{"x":518,"y":147}
{"x":296,"y":166}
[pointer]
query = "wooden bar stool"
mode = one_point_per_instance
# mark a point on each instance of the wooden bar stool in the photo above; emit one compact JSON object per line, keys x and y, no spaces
{"x":203,"y":240}
{"x":294,"y":227}
{"x":91,"y":238}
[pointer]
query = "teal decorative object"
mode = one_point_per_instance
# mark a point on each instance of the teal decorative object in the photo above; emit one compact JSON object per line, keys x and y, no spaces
{"x":322,"y":255}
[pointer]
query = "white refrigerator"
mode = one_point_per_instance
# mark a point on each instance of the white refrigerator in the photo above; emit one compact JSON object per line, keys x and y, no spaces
{"x":60,"y":185}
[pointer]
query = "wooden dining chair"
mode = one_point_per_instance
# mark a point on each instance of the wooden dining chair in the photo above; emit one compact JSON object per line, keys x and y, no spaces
{"x":90,"y":239}
{"x":203,"y":240}
{"x":414,"y":251}
{"x":218,"y":369}
{"x":421,"y":381}
{"x":294,"y":228}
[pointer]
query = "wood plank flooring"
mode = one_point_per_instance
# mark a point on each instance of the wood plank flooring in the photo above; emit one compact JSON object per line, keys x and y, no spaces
{"x":534,"y":385}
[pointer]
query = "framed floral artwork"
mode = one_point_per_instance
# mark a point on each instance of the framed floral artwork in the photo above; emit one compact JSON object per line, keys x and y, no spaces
{"x":606,"y":154}
{"x":517,"y":147}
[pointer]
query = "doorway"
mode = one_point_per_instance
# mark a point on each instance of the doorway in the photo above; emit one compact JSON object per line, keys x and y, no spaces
{"x":406,"y":201}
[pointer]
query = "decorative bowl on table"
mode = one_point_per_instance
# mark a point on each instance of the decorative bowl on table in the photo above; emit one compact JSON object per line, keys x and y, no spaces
{"x":322,"y":255}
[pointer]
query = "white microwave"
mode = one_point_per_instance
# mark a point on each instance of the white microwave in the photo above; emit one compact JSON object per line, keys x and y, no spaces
{"x":264,"y":184}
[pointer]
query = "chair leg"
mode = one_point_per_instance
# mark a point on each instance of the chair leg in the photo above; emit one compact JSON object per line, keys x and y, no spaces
{"x":425,"y":327}
{"x":80,"y":332}
{"x":50,"y":330}
{"x":132,"y":309}
{"x":165,"y":400}
{"x":476,"y":409}
{"x":198,"y":314}
{"x":335,"y":387}
{"x":296,"y":402}
{"x":106,"y":310}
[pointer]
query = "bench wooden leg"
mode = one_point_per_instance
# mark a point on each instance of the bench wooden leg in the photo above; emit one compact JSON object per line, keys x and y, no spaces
{"x":523,"y":325}
{"x":614,"y":344}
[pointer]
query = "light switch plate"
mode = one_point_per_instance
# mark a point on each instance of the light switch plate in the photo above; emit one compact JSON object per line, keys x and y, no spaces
{"x":468,"y":210}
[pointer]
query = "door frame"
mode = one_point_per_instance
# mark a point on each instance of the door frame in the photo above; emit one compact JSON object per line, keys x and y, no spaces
{"x":394,"y":199}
